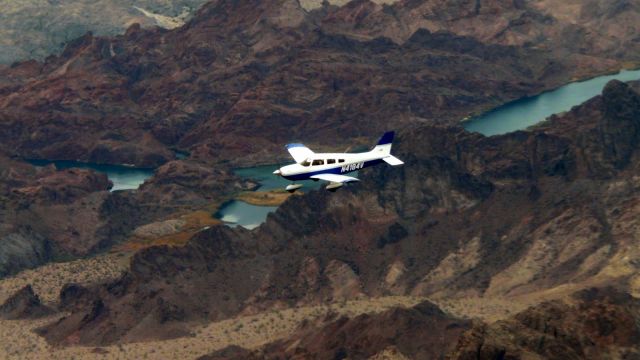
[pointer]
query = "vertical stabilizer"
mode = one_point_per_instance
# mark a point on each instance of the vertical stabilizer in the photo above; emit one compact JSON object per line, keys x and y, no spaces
{"x":384,"y":144}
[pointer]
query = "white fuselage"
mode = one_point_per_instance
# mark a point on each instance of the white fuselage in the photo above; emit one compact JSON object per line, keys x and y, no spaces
{"x":333,"y":163}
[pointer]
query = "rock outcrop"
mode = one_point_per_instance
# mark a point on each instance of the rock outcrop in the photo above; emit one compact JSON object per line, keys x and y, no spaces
{"x":24,"y":304}
{"x":181,"y":184}
{"x":48,"y":213}
{"x":34,"y":29}
{"x":597,"y":323}
{"x":420,"y":332}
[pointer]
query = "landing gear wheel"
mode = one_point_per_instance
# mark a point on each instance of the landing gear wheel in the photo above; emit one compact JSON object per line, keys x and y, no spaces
{"x":293,"y":187}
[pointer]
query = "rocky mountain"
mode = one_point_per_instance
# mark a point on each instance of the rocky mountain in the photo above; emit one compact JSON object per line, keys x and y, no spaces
{"x":24,"y":304}
{"x":584,"y":30}
{"x":529,"y":217}
{"x":243,"y":77}
{"x":596,"y":323}
{"x":46,"y":213}
{"x":49,"y":214}
{"x":420,"y":332}
{"x":35,"y":29}
{"x":522,"y":215}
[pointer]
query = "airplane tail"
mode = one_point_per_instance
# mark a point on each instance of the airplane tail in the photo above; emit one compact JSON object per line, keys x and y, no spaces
{"x":383,"y":148}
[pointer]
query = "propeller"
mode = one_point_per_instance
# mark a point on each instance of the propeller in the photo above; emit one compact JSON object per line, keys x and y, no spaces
{"x":277,"y":172}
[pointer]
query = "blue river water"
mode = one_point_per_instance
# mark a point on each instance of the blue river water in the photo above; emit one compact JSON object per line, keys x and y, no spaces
{"x":517,"y":115}
{"x":264,"y":175}
{"x":239,"y":213}
{"x":123,"y":177}
{"x":525,"y":112}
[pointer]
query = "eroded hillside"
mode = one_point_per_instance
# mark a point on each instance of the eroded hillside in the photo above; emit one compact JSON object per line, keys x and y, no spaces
{"x":482,"y":227}
{"x":35,"y":29}
{"x":243,"y":77}
{"x":526,"y":215}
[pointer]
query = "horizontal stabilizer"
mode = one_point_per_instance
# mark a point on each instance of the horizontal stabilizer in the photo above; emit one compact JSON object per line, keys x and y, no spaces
{"x":334,"y":178}
{"x":392,"y":160}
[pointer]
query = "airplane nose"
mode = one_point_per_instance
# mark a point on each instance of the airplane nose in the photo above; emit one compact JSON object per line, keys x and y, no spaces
{"x":277,"y":172}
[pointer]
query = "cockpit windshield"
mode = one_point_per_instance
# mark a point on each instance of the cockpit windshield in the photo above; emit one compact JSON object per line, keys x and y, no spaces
{"x":306,"y":163}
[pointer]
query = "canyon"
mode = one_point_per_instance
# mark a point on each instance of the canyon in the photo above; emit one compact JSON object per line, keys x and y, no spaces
{"x":528,"y":216}
{"x":241,"y":78}
{"x":519,"y":245}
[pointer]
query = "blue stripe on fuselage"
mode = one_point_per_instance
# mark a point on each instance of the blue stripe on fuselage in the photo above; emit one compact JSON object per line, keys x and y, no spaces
{"x":335,"y":170}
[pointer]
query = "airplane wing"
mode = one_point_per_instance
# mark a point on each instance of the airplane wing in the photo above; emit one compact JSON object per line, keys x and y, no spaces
{"x":335,"y":178}
{"x":299,"y":152}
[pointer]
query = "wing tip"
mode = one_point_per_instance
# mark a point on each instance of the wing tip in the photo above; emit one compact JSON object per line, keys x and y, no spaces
{"x":294,"y":145}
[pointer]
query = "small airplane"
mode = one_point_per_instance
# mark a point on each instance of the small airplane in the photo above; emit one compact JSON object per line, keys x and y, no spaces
{"x":331,"y":166}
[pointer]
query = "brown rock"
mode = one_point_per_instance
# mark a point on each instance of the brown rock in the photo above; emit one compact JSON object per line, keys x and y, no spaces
{"x":500,"y":216}
{"x":595,"y":323}
{"x":421,"y":332}
{"x":276,"y":73}
{"x":24,"y":304}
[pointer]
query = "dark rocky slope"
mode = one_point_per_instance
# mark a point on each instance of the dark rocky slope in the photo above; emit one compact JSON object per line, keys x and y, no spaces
{"x":597,"y":323}
{"x":48,"y":214}
{"x":24,"y":304}
{"x":420,"y":332}
{"x":33,"y":29}
{"x":467,"y":215}
{"x":243,"y":77}
{"x":587,"y":31}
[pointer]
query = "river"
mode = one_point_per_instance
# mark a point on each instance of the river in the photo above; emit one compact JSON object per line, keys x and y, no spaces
{"x":123,"y":177}
{"x":523,"y":113}
{"x":234,"y":213}
{"x":239,"y":213}
{"x":516,"y":115}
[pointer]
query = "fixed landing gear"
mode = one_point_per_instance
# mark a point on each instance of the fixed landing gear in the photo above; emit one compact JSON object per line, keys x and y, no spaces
{"x":293,"y":187}
{"x":334,"y":186}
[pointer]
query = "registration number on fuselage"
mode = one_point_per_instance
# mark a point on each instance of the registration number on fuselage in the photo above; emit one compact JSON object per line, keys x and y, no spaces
{"x":352,"y":167}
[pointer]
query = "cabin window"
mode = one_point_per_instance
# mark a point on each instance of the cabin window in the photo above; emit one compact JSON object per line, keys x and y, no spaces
{"x":318,"y":162}
{"x":331,"y":161}
{"x":305,"y":163}
{"x":341,"y":160}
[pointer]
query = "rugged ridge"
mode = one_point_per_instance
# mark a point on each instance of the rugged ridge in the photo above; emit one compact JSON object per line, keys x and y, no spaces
{"x":271,"y":72}
{"x":420,"y":332}
{"x":24,"y":304}
{"x":595,"y":323}
{"x":33,"y":29}
{"x":505,"y":216}
{"x":49,"y":214}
